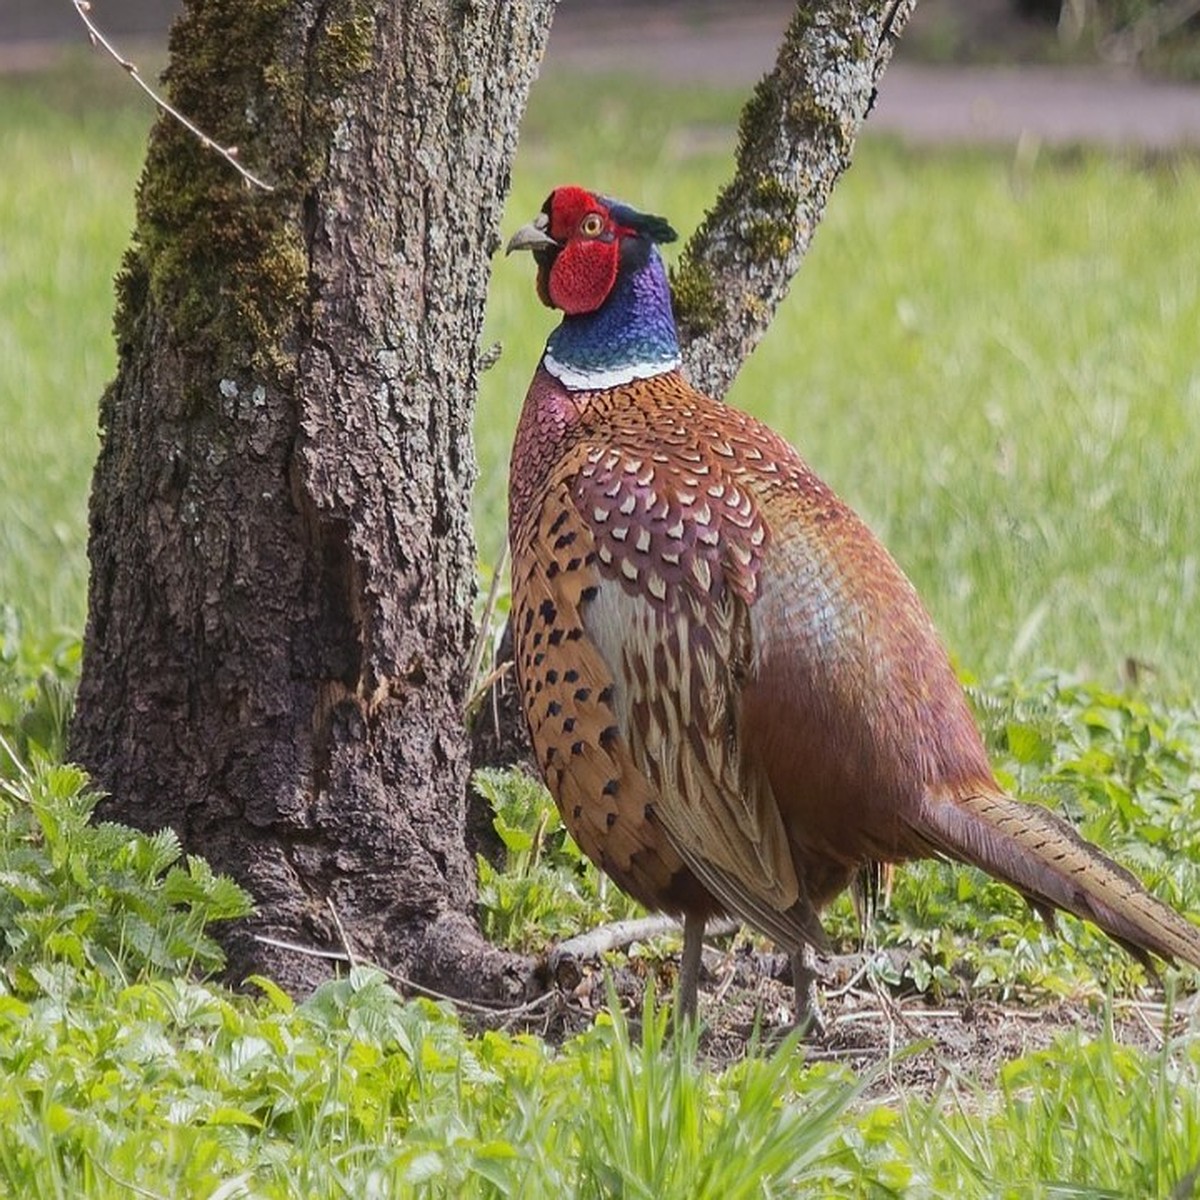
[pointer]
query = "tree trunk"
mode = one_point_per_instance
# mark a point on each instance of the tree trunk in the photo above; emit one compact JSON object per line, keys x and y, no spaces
{"x":282,"y":562}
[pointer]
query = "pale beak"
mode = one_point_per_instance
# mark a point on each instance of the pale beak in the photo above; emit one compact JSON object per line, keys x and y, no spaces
{"x":530,"y":237}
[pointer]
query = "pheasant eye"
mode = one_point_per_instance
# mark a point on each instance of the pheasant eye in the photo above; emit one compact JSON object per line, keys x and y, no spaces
{"x":591,"y":225}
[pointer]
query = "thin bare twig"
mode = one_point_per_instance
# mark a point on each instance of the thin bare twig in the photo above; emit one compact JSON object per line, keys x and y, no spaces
{"x":228,"y":153}
{"x":853,"y":981}
{"x":124,"y":1183}
{"x":21,"y":769}
{"x":475,"y":1006}
{"x":297,"y":948}
{"x":341,"y":929}
{"x":1155,"y":1033}
{"x":350,"y":959}
{"x":485,"y":684}
{"x":485,"y":625}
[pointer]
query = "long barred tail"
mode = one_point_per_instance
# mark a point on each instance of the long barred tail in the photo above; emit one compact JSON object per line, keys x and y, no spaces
{"x":1043,"y":857}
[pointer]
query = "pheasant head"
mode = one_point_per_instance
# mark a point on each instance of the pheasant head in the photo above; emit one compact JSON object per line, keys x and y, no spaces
{"x":598,"y":263}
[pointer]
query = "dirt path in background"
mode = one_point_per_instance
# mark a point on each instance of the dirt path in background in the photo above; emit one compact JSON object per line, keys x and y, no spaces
{"x":918,"y":102}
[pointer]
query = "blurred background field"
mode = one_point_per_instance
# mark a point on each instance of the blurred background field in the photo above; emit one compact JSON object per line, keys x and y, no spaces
{"x":991,"y":352}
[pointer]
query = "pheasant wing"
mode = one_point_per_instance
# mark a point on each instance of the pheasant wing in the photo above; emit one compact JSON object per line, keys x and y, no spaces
{"x":569,"y":695}
{"x":677,"y":549}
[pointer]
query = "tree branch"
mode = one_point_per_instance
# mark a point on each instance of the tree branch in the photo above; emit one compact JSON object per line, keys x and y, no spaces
{"x":796,"y":138}
{"x":228,"y":153}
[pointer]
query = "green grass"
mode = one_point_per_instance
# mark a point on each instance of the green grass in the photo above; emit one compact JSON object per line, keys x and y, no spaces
{"x":1051,"y":1131}
{"x":66,"y":209}
{"x":119,"y":1075}
{"x":996,"y":363}
{"x":993,"y":361}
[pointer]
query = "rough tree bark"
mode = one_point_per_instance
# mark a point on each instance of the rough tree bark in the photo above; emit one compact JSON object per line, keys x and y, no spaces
{"x":282,"y":564}
{"x":282,"y":567}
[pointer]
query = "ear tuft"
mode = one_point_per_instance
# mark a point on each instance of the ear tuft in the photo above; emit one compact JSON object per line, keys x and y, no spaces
{"x":657,"y":229}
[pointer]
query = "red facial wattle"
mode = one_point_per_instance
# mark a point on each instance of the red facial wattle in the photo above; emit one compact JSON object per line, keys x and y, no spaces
{"x":582,"y":275}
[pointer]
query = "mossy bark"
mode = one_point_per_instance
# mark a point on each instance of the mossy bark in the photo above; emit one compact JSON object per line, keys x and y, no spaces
{"x":282,"y":562}
{"x":797,"y":135}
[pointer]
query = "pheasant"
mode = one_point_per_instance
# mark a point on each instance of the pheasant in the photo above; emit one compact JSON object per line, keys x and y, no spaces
{"x":734,"y":694}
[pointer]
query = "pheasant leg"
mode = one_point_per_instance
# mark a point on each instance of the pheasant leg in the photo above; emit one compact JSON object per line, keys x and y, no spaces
{"x":689,"y":968}
{"x":809,"y":1018}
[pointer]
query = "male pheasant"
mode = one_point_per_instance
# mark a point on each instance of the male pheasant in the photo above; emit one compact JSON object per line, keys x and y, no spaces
{"x":735,"y":696}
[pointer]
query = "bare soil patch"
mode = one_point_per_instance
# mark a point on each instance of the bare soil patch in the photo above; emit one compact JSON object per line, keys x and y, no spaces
{"x":910,"y":1043}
